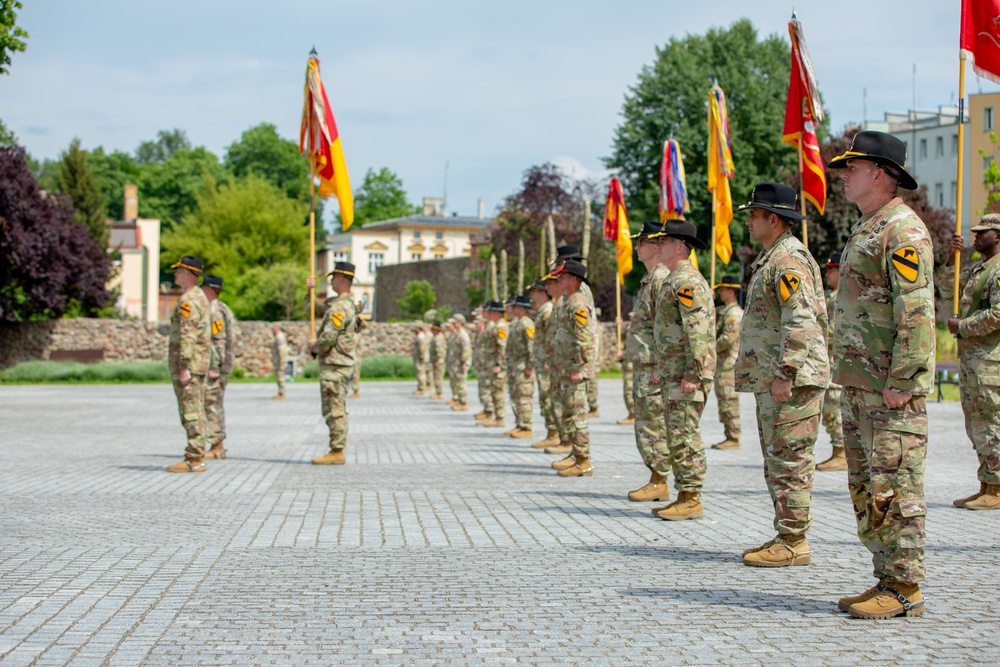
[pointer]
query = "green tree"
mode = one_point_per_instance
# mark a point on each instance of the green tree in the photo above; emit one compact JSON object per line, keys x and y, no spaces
{"x":76,"y":179}
{"x":112,"y":171}
{"x":166,"y":144}
{"x":7,"y":137}
{"x":276,"y":292}
{"x":11,"y":37}
{"x":380,"y":197}
{"x":262,"y":152}
{"x":168,"y":190}
{"x":418,"y":298}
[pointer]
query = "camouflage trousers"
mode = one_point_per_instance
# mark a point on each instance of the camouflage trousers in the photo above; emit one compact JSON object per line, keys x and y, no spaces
{"x":628,"y":380}
{"x":981,"y":405}
{"x":555,"y":391}
{"x":681,"y":416}
{"x":333,"y":383}
{"x":650,"y":430}
{"x":437,"y":372}
{"x":280,"y":364}
{"x":460,"y":384}
{"x":787,"y":435}
{"x":191,"y":406}
{"x":522,"y":397}
{"x":576,"y":427}
{"x":356,"y":376}
{"x":215,"y":410}
{"x":833,"y":422}
{"x":498,"y":391}
{"x":545,"y":399}
{"x":483,"y":387}
{"x":886,"y":450}
{"x":729,"y":405}
{"x":591,"y":388}
{"x":423,"y":377}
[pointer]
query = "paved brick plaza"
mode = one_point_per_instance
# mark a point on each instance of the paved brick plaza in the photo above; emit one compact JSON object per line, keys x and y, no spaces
{"x":439,"y":542}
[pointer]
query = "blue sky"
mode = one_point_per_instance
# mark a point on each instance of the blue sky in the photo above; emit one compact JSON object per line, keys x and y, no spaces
{"x":489,"y":88}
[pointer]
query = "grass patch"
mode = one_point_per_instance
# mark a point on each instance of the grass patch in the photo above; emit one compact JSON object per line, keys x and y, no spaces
{"x":947,"y":344}
{"x":379,"y":367}
{"x":35,"y":372}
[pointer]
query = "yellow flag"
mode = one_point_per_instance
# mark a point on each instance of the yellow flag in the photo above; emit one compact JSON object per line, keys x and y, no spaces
{"x":720,"y":170}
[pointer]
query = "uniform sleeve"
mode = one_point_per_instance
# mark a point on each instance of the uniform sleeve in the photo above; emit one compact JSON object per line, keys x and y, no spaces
{"x":799,"y":322}
{"x":910,"y":265}
{"x":986,"y":320}
{"x":529,"y":335}
{"x":698,"y":323}
{"x":334,"y":321}
{"x":729,"y":333}
{"x":583,"y":335}
{"x":192,"y":325}
{"x":228,"y":361}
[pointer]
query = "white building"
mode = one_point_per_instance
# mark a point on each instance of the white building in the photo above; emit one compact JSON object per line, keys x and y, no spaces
{"x":137,"y":271}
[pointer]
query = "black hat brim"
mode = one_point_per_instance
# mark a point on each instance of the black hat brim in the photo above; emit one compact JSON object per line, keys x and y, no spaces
{"x":906,"y":181}
{"x":692,"y":241}
{"x":783,"y":212}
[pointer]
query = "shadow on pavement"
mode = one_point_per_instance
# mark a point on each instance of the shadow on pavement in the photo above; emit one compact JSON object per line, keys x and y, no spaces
{"x":667,"y":552}
{"x":734,"y":597}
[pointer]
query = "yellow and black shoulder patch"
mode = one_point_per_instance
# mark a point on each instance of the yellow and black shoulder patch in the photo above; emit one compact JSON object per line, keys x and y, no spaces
{"x":502,"y":333}
{"x":531,"y":332}
{"x":581,"y":317}
{"x":185,"y":309}
{"x":337,"y":319}
{"x":906,"y":260}
{"x":686,"y":295}
{"x":216,"y":327}
{"x":788,"y":285}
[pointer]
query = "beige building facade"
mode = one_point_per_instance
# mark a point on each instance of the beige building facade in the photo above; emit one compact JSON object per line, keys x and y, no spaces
{"x":137,"y":268}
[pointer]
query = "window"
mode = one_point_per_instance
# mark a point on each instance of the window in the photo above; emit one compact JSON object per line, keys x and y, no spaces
{"x":988,"y":119}
{"x":987,"y":161}
{"x":954,"y":194}
{"x":416,"y":234}
{"x":939,"y":194}
{"x":375,"y":260}
{"x":438,"y":256}
{"x":939,"y":147}
{"x":438,"y":236}
{"x":954,"y":144}
{"x":340,"y":256}
{"x":472,"y":235}
{"x":415,"y":257}
{"x":923,"y":149}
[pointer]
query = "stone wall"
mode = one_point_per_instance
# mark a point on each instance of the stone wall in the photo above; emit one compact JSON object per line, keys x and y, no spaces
{"x":123,"y":340}
{"x":449,"y":277}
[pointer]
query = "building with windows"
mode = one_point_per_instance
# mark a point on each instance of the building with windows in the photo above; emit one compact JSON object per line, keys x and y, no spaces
{"x":979,"y":133}
{"x":135,"y":244}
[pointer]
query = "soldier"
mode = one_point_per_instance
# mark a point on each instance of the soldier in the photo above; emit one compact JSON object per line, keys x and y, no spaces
{"x":555,"y":289}
{"x":782,"y":361}
{"x":649,"y":427}
{"x":418,"y":364}
{"x":494,"y":348}
{"x":563,"y":254}
{"x":684,"y":349}
{"x":450,"y":347}
{"x":189,"y":354}
{"x":727,"y":346}
{"x":220,"y":366}
{"x":463,"y":358}
{"x":572,"y":362}
{"x":978,"y":332}
{"x":521,"y":366}
{"x":334,"y":345}
{"x":279,"y":359}
{"x":438,"y":344}
{"x":884,"y":358}
{"x":356,"y":377}
{"x":832,"y":420}
{"x":484,"y":330}
{"x":542,"y":303}
{"x":628,"y":382}
{"x":426,"y":341}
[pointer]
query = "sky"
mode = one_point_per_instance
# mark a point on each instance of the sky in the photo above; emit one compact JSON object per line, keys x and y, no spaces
{"x":488,"y":89}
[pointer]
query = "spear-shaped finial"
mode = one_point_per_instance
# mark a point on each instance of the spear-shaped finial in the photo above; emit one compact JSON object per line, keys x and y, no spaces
{"x":313,"y":54}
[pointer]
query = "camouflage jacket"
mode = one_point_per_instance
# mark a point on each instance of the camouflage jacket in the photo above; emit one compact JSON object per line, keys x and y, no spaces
{"x":979,"y":331}
{"x":424,"y":343}
{"x":639,"y":342}
{"x":831,"y":300}
{"x":190,"y":343}
{"x":784,"y":326}
{"x":573,"y":339}
{"x":684,"y":327}
{"x":543,"y":321}
{"x":464,"y":354}
{"x":335,"y":339}
{"x":727,"y":340}
{"x":884,"y":314}
{"x":279,"y":349}
{"x":417,"y":338}
{"x":451,"y":349}
{"x":494,"y":344}
{"x":223,"y":338}
{"x":521,"y":345}
{"x":437,"y":349}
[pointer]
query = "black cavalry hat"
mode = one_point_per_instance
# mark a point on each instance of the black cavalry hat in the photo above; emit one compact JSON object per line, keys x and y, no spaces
{"x":494,"y":306}
{"x":343,"y":268}
{"x":539,"y":285}
{"x":834,"y":262}
{"x":884,"y":150}
{"x":569,"y":251}
{"x":213,"y":281}
{"x":683,"y":230}
{"x":573,"y":268}
{"x":649,"y":228}
{"x":732,"y":282}
{"x":776,"y":198}
{"x":194,"y":264}
{"x":521,"y":300}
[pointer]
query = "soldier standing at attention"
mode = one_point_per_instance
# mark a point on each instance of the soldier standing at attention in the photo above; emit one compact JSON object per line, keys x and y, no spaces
{"x":438,"y":352}
{"x":334,"y":345}
{"x":727,"y":348}
{"x":521,"y":366}
{"x":451,"y":347}
{"x":978,"y":333}
{"x":628,"y":382}
{"x":832,"y":420}
{"x":356,"y":377}
{"x":684,"y":349}
{"x":568,"y":252}
{"x":484,"y":330}
{"x":418,"y":370}
{"x":562,"y":446}
{"x":883,"y":356}
{"x":782,"y":362}
{"x":426,"y":341}
{"x":542,"y":303}
{"x":189,"y":353}
{"x":279,"y":359}
{"x":649,"y":427}
{"x":220,"y":366}
{"x":572,"y":363}
{"x":494,"y":351}
{"x":463,"y":359}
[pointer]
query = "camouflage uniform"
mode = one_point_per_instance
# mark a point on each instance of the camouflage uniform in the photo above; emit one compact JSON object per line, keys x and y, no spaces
{"x":279,"y":359}
{"x":884,"y":319}
{"x":223,"y":336}
{"x":451,"y":348}
{"x":335,"y":342}
{"x":463,"y":358}
{"x":783,"y":336}
{"x":543,"y":322}
{"x":555,"y":385}
{"x":595,"y":356}
{"x":190,"y":347}
{"x":422,"y":360}
{"x":520,"y":357}
{"x":437,"y":362}
{"x":573,"y":351}
{"x":727,"y":348}
{"x":832,"y":420}
{"x":356,"y":376}
{"x":484,"y":371}
{"x":628,"y":384}
{"x":494,"y":348}
{"x":684,"y":348}
{"x":650,"y":429}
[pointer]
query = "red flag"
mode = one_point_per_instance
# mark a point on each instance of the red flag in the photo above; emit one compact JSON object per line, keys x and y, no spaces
{"x":802,"y":113}
{"x":979,"y":38}
{"x":616,"y":228}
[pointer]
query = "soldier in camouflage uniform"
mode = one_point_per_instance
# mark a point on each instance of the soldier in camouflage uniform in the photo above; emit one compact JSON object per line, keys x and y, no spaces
{"x":520,"y":357}
{"x":189,"y":353}
{"x":484,"y":331}
{"x":494,"y":349}
{"x":978,"y":332}
{"x":417,"y":355}
{"x":425,"y":342}
{"x":437,"y":359}
{"x":572,"y":358}
{"x":562,"y":446}
{"x":542,"y":303}
{"x":450,"y":346}
{"x":649,"y":427}
{"x":568,"y":252}
{"x":832,"y":420}
{"x":279,"y":359}
{"x":628,"y":382}
{"x":356,"y":377}
{"x":220,"y":366}
{"x":727,"y":347}
{"x":883,"y":356}
{"x":463,"y":359}
{"x":684,"y":350}
{"x":782,"y":361}
{"x":334,"y":345}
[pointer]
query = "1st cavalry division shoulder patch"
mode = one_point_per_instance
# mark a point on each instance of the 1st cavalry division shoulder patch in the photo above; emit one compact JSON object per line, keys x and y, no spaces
{"x":185,"y":309}
{"x":581,"y":317}
{"x":531,"y":332}
{"x":788,"y":285}
{"x":338,"y":319}
{"x":216,"y":327}
{"x":501,"y":333}
{"x":907,"y":263}
{"x":686,"y":296}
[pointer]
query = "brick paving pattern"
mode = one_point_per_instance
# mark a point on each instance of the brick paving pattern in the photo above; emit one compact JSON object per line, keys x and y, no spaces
{"x":440,"y":542}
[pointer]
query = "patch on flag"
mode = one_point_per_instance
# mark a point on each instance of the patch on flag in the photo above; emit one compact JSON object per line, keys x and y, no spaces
{"x":788,"y":285}
{"x":581,"y":317}
{"x":907,"y":263}
{"x":216,"y":327}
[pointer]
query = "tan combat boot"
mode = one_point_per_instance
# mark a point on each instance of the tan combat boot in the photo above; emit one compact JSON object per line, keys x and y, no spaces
{"x":761,"y":548}
{"x":188,"y":465}
{"x":482,"y":414}
{"x":450,"y":401}
{"x":356,"y":394}
{"x":278,"y":397}
{"x":497,"y":422}
{"x":436,"y":396}
{"x":894,"y":598}
{"x":336,"y":458}
{"x":418,"y":392}
{"x":593,"y":414}
{"x":657,"y":489}
{"x":728,"y":443}
{"x":628,"y":420}
{"x":551,"y":438}
{"x":783,"y":550}
{"x":581,"y":468}
{"x":561,"y":448}
{"x":961,"y":501}
{"x":460,"y":407}
{"x":562,"y":464}
{"x":216,"y":452}
{"x":687,"y":506}
{"x":844,"y":603}
{"x":990,"y":500}
{"x":521,"y":433}
{"x":837,"y":461}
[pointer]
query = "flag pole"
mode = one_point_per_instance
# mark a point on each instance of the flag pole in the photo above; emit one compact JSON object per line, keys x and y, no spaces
{"x":618,"y":311}
{"x":958,"y":178}
{"x":312,"y":248}
{"x":802,"y":197}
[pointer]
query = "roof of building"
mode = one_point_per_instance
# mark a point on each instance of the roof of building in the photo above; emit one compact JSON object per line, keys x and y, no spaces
{"x":428,"y":221}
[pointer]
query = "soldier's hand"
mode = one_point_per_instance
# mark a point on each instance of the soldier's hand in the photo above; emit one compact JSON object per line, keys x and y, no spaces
{"x":496,"y":369}
{"x":894,"y":399}
{"x":311,"y":282}
{"x":576,"y":377}
{"x":953,"y":325}
{"x":781,"y":390}
{"x":213,"y":375}
{"x":688,"y":387}
{"x":185,"y":376}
